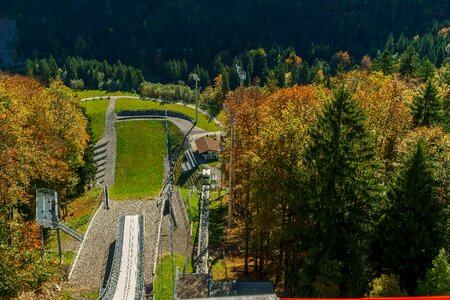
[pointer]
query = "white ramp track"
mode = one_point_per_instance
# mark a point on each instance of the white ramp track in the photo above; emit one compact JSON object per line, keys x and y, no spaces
{"x":129,"y":265}
{"x":126,"y":281}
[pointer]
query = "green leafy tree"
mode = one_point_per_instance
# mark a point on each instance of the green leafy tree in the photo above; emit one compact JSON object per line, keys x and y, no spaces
{"x":343,"y":190}
{"x":437,"y":279}
{"x":386,"y":286}
{"x":413,"y":221}
{"x":427,"y":106}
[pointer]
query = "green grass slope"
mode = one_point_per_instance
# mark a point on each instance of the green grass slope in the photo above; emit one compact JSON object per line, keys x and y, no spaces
{"x":96,"y":110}
{"x":137,"y":104}
{"x":141,"y":147}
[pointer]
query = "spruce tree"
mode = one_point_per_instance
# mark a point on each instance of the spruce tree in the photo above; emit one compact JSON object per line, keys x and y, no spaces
{"x":342,"y":190}
{"x":385,"y":62}
{"x":425,"y":70}
{"x":408,"y":62}
{"x":427,"y":106}
{"x":410,"y":235}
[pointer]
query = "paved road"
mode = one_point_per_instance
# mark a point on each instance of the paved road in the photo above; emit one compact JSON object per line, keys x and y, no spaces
{"x":204,"y":112}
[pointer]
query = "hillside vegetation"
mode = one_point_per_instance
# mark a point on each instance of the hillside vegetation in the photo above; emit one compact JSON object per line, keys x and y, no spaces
{"x":341,"y":182}
{"x":43,"y":141}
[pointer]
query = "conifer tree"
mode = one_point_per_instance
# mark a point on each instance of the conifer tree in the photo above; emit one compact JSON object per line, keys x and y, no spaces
{"x":425,"y":70}
{"x":427,"y":106}
{"x":408,"y":62}
{"x":385,"y":62}
{"x":342,"y":190}
{"x":412,"y":220}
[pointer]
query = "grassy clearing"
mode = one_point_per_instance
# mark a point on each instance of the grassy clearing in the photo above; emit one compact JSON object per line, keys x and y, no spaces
{"x":217,"y":217}
{"x":141,"y":148}
{"x":67,"y":295}
{"x":96,"y":110}
{"x":81,"y":210}
{"x":193,"y":208}
{"x":137,"y":104}
{"x":96,"y":93}
{"x":163,"y":283}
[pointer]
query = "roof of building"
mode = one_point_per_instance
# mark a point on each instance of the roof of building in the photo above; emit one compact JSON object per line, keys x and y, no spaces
{"x":205,"y":144}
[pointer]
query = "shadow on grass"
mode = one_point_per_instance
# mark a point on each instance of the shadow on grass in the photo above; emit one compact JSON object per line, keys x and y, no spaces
{"x":217,"y":222}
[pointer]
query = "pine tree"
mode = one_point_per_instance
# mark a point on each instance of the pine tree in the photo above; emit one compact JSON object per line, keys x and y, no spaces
{"x":53,"y":65}
{"x":425,"y":70}
{"x":412,"y":221}
{"x":427,"y":106}
{"x":408,"y":62}
{"x":44,"y":71}
{"x":342,"y":192}
{"x":385,"y":62}
{"x":29,"y":67}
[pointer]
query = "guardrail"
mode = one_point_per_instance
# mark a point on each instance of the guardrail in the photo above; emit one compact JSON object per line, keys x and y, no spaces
{"x":108,"y":292}
{"x":140,"y":286}
{"x":154,"y":113}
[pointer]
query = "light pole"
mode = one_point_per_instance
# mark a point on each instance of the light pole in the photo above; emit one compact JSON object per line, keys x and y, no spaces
{"x":196,"y":79}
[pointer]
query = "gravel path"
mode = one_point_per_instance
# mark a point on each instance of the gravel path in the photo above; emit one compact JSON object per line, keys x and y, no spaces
{"x":89,"y":271}
{"x":110,"y":135}
{"x":181,"y":239}
{"x":182,"y":124}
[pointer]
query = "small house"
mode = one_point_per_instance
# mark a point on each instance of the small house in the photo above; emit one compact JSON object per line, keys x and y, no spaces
{"x":208,"y":147}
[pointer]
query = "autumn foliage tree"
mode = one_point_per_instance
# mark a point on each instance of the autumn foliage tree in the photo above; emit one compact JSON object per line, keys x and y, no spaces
{"x":310,"y":188}
{"x":43,"y":139}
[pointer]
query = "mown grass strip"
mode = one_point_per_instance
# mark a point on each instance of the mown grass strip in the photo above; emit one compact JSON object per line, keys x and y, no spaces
{"x":141,"y":147}
{"x":138,"y":104}
{"x":96,"y":110}
{"x":163,"y":284}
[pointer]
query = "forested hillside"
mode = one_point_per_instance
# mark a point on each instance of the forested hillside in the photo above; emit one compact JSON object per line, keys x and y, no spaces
{"x":140,"y":33}
{"x":335,"y":118}
{"x":343,"y":187}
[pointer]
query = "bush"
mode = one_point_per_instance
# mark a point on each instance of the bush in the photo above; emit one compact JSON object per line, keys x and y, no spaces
{"x":385,"y":286}
{"x":437,"y":279}
{"x":167,"y":92}
{"x":77,"y":84}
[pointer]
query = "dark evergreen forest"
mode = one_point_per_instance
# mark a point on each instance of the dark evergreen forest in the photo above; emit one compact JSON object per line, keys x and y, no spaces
{"x":142,"y":33}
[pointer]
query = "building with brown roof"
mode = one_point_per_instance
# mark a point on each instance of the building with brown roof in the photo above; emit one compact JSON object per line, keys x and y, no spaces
{"x":208,"y":147}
